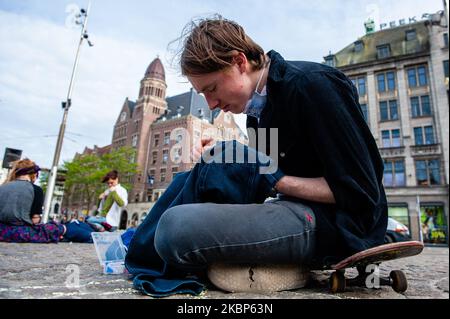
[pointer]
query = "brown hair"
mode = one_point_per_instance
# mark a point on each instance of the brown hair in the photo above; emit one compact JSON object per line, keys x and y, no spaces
{"x":210,"y":44}
{"x":111,"y":175}
{"x":21,"y":165}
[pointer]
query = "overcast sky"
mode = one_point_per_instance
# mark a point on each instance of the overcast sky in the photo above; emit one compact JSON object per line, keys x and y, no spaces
{"x":38,"y":46}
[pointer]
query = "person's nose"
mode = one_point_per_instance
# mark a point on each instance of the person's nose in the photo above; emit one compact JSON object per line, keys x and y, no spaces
{"x":212,"y":102}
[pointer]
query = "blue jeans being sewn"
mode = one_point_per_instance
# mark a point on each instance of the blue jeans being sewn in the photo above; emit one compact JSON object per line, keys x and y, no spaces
{"x":195,"y":221}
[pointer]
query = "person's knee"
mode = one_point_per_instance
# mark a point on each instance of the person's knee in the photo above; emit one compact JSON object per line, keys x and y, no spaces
{"x":174,"y":235}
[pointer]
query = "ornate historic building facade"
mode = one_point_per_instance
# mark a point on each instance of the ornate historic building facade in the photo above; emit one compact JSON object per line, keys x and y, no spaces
{"x":401,"y":74}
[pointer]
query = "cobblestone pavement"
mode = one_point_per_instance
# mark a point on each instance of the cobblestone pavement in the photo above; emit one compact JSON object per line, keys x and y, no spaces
{"x":42,"y":271}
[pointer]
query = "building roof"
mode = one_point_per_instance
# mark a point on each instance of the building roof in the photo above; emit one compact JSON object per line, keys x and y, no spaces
{"x":95,"y":151}
{"x":394,"y":37}
{"x":131,"y":106}
{"x":156,"y":70}
{"x":188,"y":103}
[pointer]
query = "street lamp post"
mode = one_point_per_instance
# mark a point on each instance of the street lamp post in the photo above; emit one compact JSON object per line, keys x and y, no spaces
{"x":82,"y":15}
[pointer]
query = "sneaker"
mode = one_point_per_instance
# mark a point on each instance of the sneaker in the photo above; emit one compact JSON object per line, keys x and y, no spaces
{"x":257,"y":278}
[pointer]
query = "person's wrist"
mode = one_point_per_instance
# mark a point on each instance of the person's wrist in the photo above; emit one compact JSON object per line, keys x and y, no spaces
{"x":279,"y":186}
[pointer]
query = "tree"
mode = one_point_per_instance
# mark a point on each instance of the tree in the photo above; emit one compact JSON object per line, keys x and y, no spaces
{"x":122,"y":160}
{"x":84,"y":173}
{"x":44,"y":174}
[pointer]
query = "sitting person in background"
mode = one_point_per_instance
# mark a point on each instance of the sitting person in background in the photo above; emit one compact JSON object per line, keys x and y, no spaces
{"x":20,"y":199}
{"x":112,"y":201}
{"x":21,"y":207}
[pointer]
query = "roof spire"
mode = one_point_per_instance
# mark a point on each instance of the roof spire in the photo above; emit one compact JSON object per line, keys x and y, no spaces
{"x":156,"y":70}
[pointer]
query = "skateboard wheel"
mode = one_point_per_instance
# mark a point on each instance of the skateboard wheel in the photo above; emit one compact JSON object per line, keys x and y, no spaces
{"x":399,"y":282}
{"x":337,"y":282}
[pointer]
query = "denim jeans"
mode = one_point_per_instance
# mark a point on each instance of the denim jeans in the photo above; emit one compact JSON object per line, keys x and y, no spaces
{"x":216,"y":212}
{"x":78,"y":232}
{"x":191,"y":236}
{"x":96,"y":219}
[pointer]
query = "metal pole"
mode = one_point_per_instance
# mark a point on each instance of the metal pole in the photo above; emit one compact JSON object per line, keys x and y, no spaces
{"x":419,"y":216}
{"x":62,"y":128}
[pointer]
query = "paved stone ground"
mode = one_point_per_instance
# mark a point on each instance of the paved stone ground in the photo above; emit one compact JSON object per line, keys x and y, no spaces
{"x":41,"y":271}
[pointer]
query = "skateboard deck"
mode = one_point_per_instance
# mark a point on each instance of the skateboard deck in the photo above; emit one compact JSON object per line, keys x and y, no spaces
{"x":380,"y":254}
{"x":376,"y":255}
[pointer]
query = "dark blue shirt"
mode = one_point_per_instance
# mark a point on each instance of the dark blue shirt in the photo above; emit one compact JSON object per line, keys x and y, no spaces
{"x":322,"y":133}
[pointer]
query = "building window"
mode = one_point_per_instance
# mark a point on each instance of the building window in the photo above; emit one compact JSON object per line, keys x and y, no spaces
{"x":360,"y":84}
{"x":434,"y":224}
{"x":381,"y":83}
{"x":411,"y":35}
{"x":151,"y":177}
{"x":390,"y":138}
{"x":386,"y":81}
{"x":417,"y":76}
{"x":421,"y":71}
{"x":154,"y":157}
{"x":400,"y":214}
{"x":359,"y":45}
{"x":156,"y":141}
{"x":429,"y":135}
{"x":412,"y":80}
{"x":365,"y":112}
{"x":384,"y":113}
{"x":446,"y":68}
{"x":166,"y":138}
{"x":420,"y":106}
{"x":428,"y":172}
{"x":394,"y":173}
{"x":419,"y":137}
{"x":388,"y":110}
{"x":383,"y":51}
{"x":163,"y":174}
{"x":390,"y":81}
{"x":330,"y":61}
{"x":446,"y":40}
{"x":134,"y":140}
{"x":165,"y":156}
{"x":174,"y":171}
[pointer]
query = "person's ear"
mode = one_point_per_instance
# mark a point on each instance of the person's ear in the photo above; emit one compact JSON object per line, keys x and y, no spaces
{"x":241,"y":61}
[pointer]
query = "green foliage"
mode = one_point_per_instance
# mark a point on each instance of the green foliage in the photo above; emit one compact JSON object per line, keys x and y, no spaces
{"x":43,"y":180}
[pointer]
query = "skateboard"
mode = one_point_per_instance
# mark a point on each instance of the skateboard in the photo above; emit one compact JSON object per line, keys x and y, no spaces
{"x":374,"y":256}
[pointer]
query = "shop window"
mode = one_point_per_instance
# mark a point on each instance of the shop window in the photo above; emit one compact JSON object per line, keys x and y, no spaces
{"x":434,"y":224}
{"x":400,"y":214}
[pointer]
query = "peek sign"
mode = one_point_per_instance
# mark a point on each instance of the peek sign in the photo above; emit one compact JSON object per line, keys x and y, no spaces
{"x":401,"y":22}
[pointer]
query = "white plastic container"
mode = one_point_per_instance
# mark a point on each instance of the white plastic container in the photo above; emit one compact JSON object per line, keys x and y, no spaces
{"x":110,"y":251}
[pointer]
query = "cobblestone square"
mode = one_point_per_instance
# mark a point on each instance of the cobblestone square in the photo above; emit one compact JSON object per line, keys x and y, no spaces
{"x":33,"y":271}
